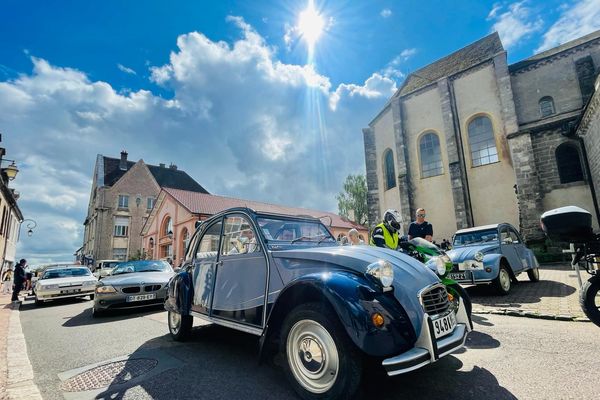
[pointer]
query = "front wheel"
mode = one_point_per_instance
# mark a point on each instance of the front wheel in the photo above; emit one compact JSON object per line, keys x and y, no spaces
{"x":502,"y":282}
{"x":180,"y":326}
{"x":590,"y":299}
{"x":534,"y":274}
{"x":321,"y":360}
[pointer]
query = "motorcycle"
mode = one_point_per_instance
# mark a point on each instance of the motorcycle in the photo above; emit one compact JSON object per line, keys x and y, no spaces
{"x":437,"y":260}
{"x":574,"y":225}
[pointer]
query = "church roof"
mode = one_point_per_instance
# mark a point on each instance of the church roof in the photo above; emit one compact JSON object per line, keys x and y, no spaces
{"x":164,"y":176}
{"x":465,"y":58}
{"x":553,"y":51}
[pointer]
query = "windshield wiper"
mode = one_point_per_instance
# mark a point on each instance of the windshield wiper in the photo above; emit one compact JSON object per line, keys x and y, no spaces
{"x":122,"y":272}
{"x":298,"y":239}
{"x":152,"y":270}
{"x":325,"y":237}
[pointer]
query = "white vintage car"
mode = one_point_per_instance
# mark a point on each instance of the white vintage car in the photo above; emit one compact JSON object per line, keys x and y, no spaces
{"x":65,"y":281}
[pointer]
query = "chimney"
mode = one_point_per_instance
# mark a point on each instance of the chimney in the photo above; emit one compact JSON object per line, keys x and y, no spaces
{"x":173,"y":166}
{"x":123,"y":162}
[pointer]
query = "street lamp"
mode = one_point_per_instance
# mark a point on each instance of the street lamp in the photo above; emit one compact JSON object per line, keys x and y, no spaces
{"x":11,"y":171}
{"x":30,"y":226}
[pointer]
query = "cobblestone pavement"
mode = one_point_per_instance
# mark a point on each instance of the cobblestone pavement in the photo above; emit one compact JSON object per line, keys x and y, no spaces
{"x":555,"y":296}
{"x":16,"y":374}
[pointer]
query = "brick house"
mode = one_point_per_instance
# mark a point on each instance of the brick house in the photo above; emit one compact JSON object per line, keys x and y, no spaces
{"x":172,"y":222}
{"x":476,"y":141}
{"x":122,"y":197}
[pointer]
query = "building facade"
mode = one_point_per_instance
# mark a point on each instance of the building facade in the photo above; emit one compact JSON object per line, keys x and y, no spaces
{"x":10,"y":221}
{"x":476,"y":141}
{"x":173,"y":220}
{"x":122,"y":197}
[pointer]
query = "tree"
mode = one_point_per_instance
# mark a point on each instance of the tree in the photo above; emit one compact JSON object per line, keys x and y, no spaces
{"x":354,"y":198}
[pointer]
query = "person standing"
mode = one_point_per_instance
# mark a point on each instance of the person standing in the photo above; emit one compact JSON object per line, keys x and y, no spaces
{"x":354,"y":239}
{"x":420,"y":227}
{"x":7,"y":280}
{"x":386,"y":233}
{"x":19,"y":279}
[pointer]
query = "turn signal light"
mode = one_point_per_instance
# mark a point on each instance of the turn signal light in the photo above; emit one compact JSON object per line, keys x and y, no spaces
{"x":450,"y":297}
{"x":377,"y":320}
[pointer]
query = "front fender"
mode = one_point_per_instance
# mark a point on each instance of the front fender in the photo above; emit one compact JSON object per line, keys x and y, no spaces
{"x":354,"y":300}
{"x":180,"y":292}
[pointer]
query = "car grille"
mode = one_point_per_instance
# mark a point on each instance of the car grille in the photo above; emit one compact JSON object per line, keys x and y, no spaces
{"x":435,"y":300}
{"x":151,"y":288}
{"x":131,"y":289}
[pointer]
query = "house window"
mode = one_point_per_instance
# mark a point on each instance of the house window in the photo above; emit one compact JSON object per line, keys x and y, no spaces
{"x":185,"y":239}
{"x":121,"y":226}
{"x":150,"y":203}
{"x":546,"y":106}
{"x":123,"y":201}
{"x":431,"y":156}
{"x":389,"y":169}
{"x":167,"y":227}
{"x":568,"y":163}
{"x":120,"y":254}
{"x":482,"y":142}
{"x":167,"y":251}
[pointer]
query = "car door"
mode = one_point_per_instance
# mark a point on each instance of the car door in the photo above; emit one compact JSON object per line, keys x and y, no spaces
{"x":519,"y":247}
{"x":508,"y":249}
{"x":241,"y":275}
{"x":204,"y":264}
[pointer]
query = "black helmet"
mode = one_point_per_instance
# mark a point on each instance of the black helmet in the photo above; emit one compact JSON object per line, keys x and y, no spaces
{"x":392,"y":220}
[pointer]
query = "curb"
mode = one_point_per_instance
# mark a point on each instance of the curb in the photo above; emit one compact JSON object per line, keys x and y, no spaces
{"x":531,"y":314}
{"x":20,"y":383}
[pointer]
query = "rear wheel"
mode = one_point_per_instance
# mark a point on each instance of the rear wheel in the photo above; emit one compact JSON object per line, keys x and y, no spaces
{"x":502,"y":283}
{"x":590,"y":299}
{"x":534,"y":274}
{"x":180,"y":326}
{"x":321,"y":362}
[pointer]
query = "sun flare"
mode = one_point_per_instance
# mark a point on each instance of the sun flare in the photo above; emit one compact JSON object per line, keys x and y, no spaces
{"x":310,"y":24}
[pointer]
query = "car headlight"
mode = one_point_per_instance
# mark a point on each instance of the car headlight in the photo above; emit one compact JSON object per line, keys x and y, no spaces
{"x":440,"y":265}
{"x":383,"y":272}
{"x":106,"y":289}
{"x":89,"y":283}
{"x":478,"y":256}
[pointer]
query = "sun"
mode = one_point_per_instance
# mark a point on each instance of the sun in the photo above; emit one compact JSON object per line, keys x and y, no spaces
{"x":310,"y":24}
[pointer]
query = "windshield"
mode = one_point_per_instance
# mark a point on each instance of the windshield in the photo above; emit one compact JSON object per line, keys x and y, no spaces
{"x":65,"y":273}
{"x":141,"y":266}
{"x":109,"y":265}
{"x":420,"y":242}
{"x":293,"y":231}
{"x":485,"y":236}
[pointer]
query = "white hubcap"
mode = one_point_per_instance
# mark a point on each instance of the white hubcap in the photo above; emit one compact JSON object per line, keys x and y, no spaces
{"x":504,"y":280}
{"x":312,"y":356}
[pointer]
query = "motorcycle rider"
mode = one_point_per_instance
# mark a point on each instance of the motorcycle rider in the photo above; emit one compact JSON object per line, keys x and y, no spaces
{"x":386,"y":233}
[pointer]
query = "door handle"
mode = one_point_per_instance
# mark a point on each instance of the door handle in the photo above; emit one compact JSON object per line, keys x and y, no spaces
{"x":219,"y":263}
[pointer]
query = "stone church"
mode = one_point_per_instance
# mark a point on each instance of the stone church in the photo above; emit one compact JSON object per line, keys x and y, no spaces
{"x":476,"y":141}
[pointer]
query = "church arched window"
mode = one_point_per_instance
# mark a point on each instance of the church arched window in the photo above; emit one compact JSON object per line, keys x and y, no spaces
{"x":568,"y":163}
{"x":389,"y":169}
{"x":431,"y":156}
{"x":482,"y":142}
{"x":546,"y":106}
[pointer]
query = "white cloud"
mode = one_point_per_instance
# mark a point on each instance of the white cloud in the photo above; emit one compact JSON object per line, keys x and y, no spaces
{"x":125,"y":69}
{"x":515,"y":22}
{"x":241,"y":122}
{"x":576,"y":20}
{"x":386,"y":12}
{"x":392,"y":68}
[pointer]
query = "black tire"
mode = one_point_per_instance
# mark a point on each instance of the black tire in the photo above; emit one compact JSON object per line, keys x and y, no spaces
{"x":97,"y":313}
{"x":589,"y":299}
{"x":38,"y":302}
{"x":316,"y":328}
{"x":180,"y":326}
{"x":503,"y":282}
{"x":464,"y":297}
{"x":91,"y":297}
{"x":534,"y":274}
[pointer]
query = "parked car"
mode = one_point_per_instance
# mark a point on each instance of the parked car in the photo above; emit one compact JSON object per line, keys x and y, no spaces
{"x":325,"y":307}
{"x":491,"y":254}
{"x":104,"y":267}
{"x":58,"y":282}
{"x":132,"y":284}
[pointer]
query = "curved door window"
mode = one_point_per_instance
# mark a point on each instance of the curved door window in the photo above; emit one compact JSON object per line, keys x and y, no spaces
{"x":241,"y":274}
{"x":205,"y":264}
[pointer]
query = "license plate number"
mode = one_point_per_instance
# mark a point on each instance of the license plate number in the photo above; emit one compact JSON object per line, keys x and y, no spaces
{"x":69,"y":291}
{"x":459,"y":276}
{"x":141,"y":297}
{"x":444,"y":325}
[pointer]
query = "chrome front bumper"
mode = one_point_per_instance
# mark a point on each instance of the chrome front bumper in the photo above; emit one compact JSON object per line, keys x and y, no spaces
{"x":427,"y":349}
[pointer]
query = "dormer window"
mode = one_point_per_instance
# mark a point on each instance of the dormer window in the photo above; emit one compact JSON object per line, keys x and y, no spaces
{"x":546,"y":106}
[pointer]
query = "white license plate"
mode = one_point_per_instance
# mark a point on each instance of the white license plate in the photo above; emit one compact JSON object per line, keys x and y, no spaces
{"x":443,"y":326}
{"x":459,"y":276}
{"x":470,"y":265}
{"x":141,"y":297}
{"x":70,"y":291}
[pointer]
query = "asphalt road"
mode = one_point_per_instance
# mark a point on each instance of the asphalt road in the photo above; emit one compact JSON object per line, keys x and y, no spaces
{"x":506,"y":358}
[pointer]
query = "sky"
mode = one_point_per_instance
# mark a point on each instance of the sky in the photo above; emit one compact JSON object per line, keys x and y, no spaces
{"x":230,"y":91}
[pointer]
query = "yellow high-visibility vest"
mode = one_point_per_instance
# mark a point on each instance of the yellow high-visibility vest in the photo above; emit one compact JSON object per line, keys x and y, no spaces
{"x":391,"y":239}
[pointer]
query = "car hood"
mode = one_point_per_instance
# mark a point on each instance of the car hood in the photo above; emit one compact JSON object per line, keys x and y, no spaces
{"x":71,"y":280}
{"x":410,"y":276}
{"x":136,"y":278}
{"x":460,"y":254}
